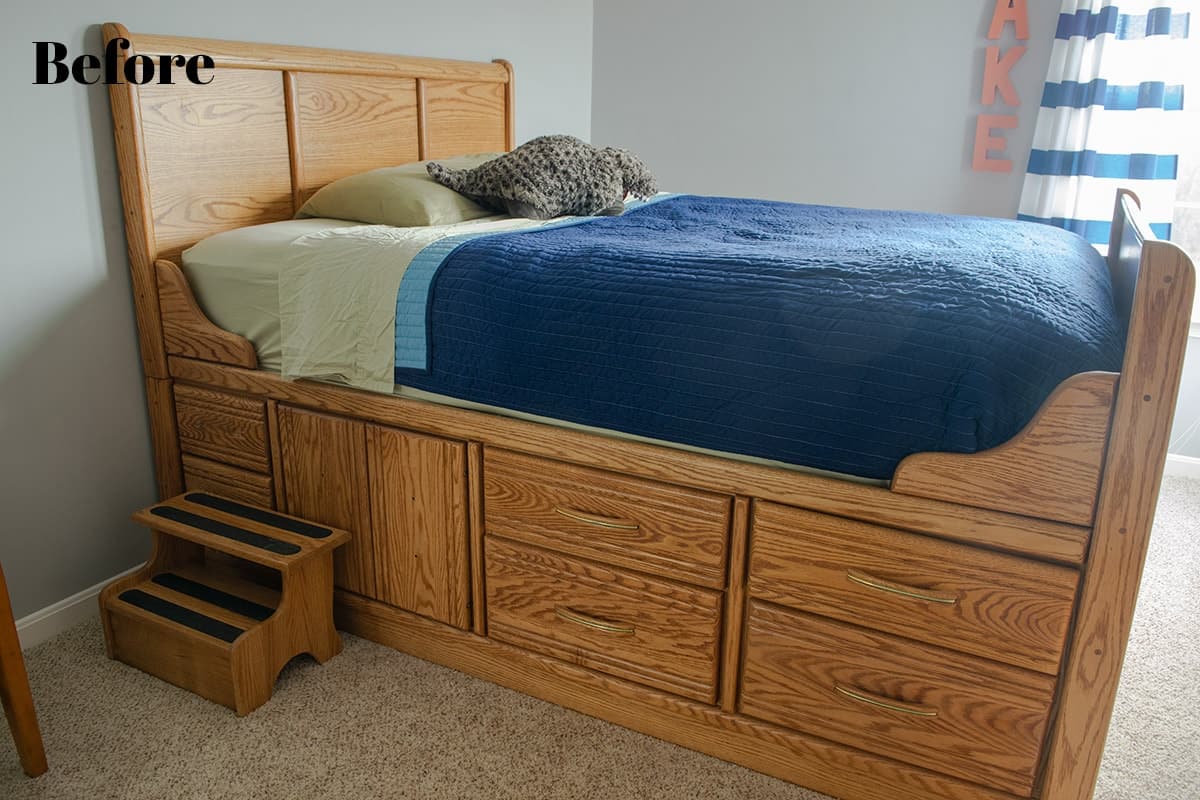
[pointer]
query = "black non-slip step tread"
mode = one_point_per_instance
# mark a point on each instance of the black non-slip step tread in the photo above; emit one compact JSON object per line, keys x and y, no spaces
{"x":224,"y":529}
{"x":183,"y":616}
{"x":213,"y":596}
{"x":260,"y":515}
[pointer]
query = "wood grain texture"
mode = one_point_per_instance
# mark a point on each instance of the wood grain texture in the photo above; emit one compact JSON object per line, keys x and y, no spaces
{"x":164,"y":435}
{"x":256,"y":55}
{"x":419,"y":523}
{"x":735,"y":604}
{"x":202,"y":475}
{"x":172,"y":652}
{"x":476,"y":530}
{"x":291,"y":115}
{"x":138,"y":215}
{"x":187,"y":331}
{"x":306,"y":547}
{"x":325,"y":480}
{"x":1150,"y":375}
{"x":346,"y":124}
{"x":811,"y":761}
{"x":667,"y":635}
{"x":464,"y":117}
{"x":422,"y":116}
{"x":276,"y":453}
{"x":989,"y":723}
{"x":223,"y":427}
{"x":1005,"y":608}
{"x":15,"y":694}
{"x":216,"y":156}
{"x":1051,"y":469}
{"x":653,"y":527}
{"x":1054,"y":541}
{"x":510,"y":113}
{"x":303,"y":623}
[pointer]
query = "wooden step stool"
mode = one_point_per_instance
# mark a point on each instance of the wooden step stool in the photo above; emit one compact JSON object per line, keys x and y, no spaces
{"x":200,"y":624}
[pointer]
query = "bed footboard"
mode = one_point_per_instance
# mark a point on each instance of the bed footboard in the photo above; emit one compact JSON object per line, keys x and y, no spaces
{"x":1051,"y":469}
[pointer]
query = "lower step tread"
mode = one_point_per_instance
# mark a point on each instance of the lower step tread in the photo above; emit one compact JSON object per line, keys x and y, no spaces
{"x":181,"y":615}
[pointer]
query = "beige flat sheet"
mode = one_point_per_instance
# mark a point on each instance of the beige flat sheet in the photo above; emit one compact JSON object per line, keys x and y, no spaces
{"x":235,"y":277}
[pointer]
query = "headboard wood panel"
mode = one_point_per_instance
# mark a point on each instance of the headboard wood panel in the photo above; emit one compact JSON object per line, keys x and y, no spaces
{"x":464,"y":117}
{"x":275,"y":124}
{"x":216,"y":156}
{"x":382,"y":111}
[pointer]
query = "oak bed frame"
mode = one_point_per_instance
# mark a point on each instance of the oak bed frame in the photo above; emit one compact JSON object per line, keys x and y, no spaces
{"x":958,"y":634}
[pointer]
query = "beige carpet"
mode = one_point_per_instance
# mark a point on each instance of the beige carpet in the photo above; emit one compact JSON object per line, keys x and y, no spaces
{"x":377,"y":724}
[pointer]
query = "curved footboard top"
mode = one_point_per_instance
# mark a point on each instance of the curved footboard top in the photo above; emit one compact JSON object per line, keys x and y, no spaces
{"x":1054,"y":468}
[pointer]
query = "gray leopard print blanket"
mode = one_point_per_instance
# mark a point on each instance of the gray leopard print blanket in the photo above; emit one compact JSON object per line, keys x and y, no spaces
{"x":551,"y":176}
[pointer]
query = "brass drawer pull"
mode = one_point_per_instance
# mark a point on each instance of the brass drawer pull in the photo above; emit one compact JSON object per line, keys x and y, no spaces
{"x":591,"y":519}
{"x":885,"y":702}
{"x":871,"y":582}
{"x":571,"y":615}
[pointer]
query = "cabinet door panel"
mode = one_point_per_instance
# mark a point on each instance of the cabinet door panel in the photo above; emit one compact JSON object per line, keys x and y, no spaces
{"x":325,"y":479}
{"x":418,"y":506}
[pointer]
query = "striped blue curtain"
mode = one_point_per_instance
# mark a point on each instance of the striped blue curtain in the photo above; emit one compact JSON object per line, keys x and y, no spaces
{"x":1110,"y":115}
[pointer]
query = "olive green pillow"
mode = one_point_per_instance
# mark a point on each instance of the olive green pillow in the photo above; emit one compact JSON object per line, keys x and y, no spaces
{"x":403,"y":196}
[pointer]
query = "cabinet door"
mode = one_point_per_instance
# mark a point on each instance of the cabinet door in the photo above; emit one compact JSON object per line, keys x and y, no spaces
{"x":418,"y":509}
{"x":325,"y":479}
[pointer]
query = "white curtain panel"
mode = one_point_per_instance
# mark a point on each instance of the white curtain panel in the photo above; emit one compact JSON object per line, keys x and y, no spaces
{"x":1111,"y":115}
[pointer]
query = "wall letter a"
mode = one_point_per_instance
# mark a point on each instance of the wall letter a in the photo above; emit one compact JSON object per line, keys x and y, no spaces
{"x":1014,"y":11}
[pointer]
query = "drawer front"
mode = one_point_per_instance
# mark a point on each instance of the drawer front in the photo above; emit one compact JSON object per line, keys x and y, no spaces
{"x":998,"y":606}
{"x":652,"y":527}
{"x":656,"y":633}
{"x":202,"y":475}
{"x":223,"y":427}
{"x":951,"y":713}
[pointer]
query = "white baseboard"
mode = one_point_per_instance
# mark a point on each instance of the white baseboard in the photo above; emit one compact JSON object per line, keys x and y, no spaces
{"x":1185,"y":466}
{"x":67,"y":613}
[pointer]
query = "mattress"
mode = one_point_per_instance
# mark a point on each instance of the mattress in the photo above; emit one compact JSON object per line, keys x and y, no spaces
{"x":833,"y":338}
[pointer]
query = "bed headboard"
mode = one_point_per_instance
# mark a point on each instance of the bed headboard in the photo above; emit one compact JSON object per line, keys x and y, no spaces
{"x":274,"y":125}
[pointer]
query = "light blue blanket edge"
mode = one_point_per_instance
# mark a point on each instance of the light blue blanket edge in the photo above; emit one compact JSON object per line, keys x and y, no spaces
{"x":412,"y":299}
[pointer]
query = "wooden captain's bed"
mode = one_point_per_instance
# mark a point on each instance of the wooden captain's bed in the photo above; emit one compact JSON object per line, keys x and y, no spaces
{"x":958,"y":633}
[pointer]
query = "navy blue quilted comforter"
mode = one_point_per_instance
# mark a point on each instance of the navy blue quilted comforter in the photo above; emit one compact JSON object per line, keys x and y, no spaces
{"x":833,"y":338}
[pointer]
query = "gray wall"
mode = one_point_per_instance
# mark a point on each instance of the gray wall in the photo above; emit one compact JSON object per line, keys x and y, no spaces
{"x":870,"y":104}
{"x":74,"y":445}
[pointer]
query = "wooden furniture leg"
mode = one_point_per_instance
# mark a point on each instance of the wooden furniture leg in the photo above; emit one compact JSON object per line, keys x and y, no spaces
{"x":15,"y":694}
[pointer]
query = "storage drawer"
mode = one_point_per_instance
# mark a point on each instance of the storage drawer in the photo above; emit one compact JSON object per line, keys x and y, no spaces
{"x":653,"y":527}
{"x":654,"y":632}
{"x":223,"y":427}
{"x":998,"y":606}
{"x":951,"y":713}
{"x":202,"y":475}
